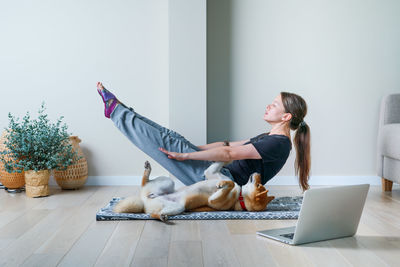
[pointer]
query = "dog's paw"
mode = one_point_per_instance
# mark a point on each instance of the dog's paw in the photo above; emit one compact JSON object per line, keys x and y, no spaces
{"x":163,"y":217}
{"x":147,"y":165}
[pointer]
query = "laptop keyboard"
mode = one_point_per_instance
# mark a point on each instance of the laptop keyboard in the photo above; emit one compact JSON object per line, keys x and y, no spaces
{"x":290,"y":236}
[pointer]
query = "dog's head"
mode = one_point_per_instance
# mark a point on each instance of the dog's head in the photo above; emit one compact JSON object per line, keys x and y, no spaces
{"x":255,"y":194}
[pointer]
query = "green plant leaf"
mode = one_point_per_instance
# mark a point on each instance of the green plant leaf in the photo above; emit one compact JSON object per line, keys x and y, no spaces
{"x":36,"y":144}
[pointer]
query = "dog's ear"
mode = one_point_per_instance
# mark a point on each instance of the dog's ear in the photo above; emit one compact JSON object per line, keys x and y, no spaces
{"x":262,"y":193}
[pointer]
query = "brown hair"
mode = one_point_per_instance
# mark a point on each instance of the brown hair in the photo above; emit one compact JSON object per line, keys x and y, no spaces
{"x":295,"y":105}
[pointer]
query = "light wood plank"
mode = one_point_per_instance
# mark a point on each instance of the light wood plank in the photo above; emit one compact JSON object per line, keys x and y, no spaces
{"x":18,"y":202}
{"x":236,"y":227}
{"x":43,"y":260}
{"x":283,"y":254}
{"x":186,"y":245}
{"x":185,"y":253}
{"x":89,"y":246}
{"x":218,"y":247}
{"x":185,"y":230}
{"x":19,"y":250}
{"x":65,"y":198}
{"x":120,"y":248}
{"x":355,"y":253}
{"x":381,"y":247}
{"x":250,"y":251}
{"x":371,"y":235}
{"x":19,"y":226}
{"x":62,"y":240}
{"x":286,"y":255}
{"x":153,"y":246}
{"x":5,"y":242}
{"x":324,"y":254}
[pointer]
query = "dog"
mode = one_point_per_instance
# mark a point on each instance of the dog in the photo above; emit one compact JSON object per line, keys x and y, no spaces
{"x":159,"y":198}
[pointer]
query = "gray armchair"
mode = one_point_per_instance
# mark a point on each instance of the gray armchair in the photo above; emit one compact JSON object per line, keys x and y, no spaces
{"x":389,"y":141}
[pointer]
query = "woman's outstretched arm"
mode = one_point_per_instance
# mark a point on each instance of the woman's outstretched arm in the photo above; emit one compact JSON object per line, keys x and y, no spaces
{"x":219,"y":144}
{"x":223,"y":153}
{"x":211,"y":145}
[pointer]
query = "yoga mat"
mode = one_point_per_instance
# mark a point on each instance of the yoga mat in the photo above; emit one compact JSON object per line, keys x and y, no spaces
{"x":280,"y":208}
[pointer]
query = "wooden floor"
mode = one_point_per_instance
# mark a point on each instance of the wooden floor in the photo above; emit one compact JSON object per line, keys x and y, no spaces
{"x":61,"y":230}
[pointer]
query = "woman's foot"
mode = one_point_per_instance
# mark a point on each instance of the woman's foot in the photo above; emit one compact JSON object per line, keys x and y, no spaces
{"x":110,"y":101}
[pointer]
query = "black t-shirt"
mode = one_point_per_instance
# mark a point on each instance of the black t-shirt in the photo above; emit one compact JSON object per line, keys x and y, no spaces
{"x":274,"y":151}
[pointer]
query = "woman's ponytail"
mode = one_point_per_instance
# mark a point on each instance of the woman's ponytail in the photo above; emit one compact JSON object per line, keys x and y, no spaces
{"x":303,"y":156}
{"x":295,"y":105}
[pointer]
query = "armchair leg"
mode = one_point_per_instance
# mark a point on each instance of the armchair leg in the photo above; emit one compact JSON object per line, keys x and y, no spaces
{"x":386,"y":185}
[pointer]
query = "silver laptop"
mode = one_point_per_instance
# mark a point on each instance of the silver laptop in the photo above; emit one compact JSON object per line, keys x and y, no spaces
{"x":326,"y":213}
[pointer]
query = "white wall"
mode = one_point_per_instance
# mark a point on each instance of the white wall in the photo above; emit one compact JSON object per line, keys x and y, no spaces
{"x":340,"y":56}
{"x":57,"y":50}
{"x":187,"y":70}
{"x":152,"y":57}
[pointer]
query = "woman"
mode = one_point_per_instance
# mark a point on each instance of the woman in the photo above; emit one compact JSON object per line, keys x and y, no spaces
{"x":265,"y":153}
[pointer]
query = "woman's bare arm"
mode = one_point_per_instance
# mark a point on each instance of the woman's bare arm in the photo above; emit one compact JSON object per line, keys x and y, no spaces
{"x":222,"y":153}
{"x":211,"y":145}
{"x":238,"y":143}
{"x":218,"y":144}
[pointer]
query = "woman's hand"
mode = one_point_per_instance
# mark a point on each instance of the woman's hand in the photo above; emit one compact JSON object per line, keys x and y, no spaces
{"x":174,"y":155}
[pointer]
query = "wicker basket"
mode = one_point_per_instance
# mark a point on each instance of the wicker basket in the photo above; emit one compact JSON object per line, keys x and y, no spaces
{"x":10,"y":180}
{"x":75,"y":175}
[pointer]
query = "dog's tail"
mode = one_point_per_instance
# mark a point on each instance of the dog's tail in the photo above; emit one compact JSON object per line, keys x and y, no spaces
{"x":132,"y":204}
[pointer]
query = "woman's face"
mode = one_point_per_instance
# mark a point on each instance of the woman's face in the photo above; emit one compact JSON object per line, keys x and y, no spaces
{"x":275,"y":111}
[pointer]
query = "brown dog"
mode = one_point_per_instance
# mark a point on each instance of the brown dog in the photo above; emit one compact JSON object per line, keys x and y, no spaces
{"x":159,"y":199}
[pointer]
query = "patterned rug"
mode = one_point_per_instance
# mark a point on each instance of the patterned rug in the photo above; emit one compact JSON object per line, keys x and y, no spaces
{"x":280,"y":208}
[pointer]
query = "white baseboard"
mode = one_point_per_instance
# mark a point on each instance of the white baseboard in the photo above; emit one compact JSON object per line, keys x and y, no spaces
{"x":277,"y":180}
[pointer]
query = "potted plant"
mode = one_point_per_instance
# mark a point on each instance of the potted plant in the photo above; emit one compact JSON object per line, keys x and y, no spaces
{"x":12,"y":182}
{"x":37,"y":146}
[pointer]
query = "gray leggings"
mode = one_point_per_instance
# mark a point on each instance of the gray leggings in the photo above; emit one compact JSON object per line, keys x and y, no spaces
{"x":148,"y":136}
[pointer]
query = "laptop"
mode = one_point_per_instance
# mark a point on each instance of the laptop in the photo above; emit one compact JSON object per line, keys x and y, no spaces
{"x":326,"y":213}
